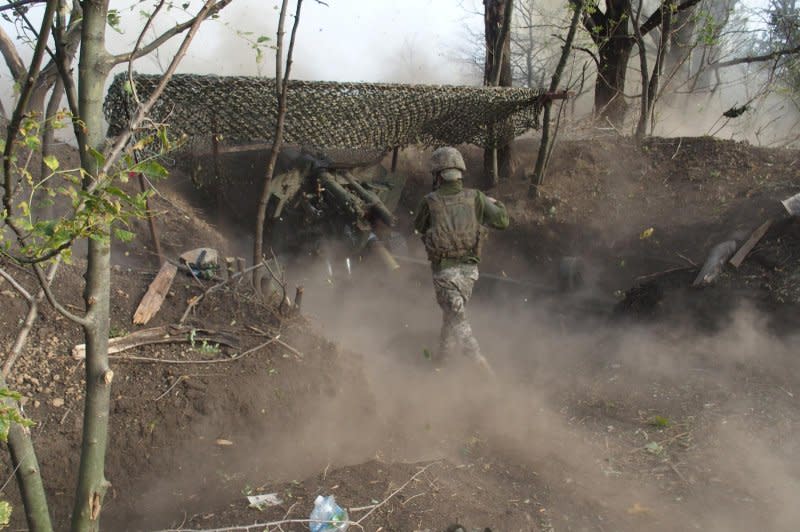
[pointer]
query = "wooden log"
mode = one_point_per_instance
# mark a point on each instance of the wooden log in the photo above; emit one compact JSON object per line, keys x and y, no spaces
{"x":715,"y":262}
{"x":748,"y":246}
{"x":156,"y":292}
{"x":161,"y":335}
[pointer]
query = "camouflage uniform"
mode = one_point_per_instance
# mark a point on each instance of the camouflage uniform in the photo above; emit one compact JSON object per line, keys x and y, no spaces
{"x":453,"y":287}
{"x":455,"y":259}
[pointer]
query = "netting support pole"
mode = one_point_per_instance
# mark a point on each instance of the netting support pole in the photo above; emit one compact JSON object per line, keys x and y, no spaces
{"x":394,"y":159}
{"x":151,"y":222}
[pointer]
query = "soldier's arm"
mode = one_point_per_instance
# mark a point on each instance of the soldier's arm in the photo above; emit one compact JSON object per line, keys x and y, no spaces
{"x":422,"y":221}
{"x":491,"y":212}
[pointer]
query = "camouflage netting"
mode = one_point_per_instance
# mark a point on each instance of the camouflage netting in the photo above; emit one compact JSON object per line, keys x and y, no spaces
{"x":326,"y":115}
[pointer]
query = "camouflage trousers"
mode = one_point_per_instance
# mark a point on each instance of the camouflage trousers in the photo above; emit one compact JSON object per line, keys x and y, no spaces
{"x":453,"y":288}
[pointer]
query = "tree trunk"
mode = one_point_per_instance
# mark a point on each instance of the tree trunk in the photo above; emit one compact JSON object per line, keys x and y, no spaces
{"x":681,"y":44}
{"x":497,"y":72}
{"x":29,"y":476}
{"x":609,"y":97}
{"x":281,"y":95}
{"x":667,"y":8}
{"x":544,"y":145}
{"x":92,"y":484}
{"x":641,"y":126}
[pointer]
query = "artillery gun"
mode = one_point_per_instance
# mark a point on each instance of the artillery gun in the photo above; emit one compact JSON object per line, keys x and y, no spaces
{"x":341,"y":212}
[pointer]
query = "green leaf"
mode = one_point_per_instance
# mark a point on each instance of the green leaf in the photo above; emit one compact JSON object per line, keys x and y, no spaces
{"x":5,"y":426}
{"x":123,"y":235}
{"x":51,"y":162}
{"x":262,"y":39}
{"x":660,"y":421}
{"x":162,"y":136}
{"x":150,"y":169}
{"x":32,"y":142}
{"x":114,"y":20}
{"x":654,"y":448}
{"x":5,"y":514}
{"x":118,"y":192}
{"x":99,"y":158}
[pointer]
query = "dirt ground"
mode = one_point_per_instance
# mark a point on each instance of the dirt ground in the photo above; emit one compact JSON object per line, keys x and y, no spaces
{"x":633,"y":403}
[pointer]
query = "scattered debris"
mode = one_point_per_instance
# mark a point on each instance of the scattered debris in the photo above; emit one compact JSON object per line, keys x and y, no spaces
{"x":201,"y":262}
{"x":638,"y":509}
{"x":328,"y":516}
{"x":156,"y":292}
{"x":262,"y":502}
{"x":792,"y":205}
{"x":161,"y":335}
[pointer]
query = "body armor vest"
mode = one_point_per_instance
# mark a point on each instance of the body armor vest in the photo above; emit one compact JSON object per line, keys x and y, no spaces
{"x":455,"y":232}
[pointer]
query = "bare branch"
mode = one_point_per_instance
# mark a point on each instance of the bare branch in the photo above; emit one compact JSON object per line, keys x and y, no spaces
{"x":20,"y":3}
{"x":64,"y":56}
{"x":777,"y":54}
{"x":22,"y":103}
{"x":169,"y":34}
{"x":51,"y":298}
{"x":27,"y":326}
{"x":654,"y":20}
{"x":11,"y":56}
{"x":14,"y":284}
{"x":133,"y":52}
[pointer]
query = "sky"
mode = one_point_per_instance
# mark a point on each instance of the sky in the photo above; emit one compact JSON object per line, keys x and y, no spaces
{"x":409,"y":41}
{"x":347,"y":40}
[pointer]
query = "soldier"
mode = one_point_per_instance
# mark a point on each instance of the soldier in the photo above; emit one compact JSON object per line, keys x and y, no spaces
{"x":451,"y":220}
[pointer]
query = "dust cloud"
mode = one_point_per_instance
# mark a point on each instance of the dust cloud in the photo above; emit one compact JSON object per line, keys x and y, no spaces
{"x":573,"y":399}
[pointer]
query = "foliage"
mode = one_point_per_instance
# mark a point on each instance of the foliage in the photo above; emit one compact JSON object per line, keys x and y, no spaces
{"x":8,"y":416}
{"x":5,"y":514}
{"x":93,"y":209}
{"x":205,"y":347}
{"x":660,"y":421}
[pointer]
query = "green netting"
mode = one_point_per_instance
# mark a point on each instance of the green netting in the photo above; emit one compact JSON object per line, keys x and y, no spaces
{"x":328,"y":115}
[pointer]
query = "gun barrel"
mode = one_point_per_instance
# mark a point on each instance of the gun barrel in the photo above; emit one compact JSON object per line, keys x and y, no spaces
{"x":338,"y":191}
{"x":372,"y":200}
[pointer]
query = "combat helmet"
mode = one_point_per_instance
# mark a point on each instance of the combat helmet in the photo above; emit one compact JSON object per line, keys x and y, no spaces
{"x":449,"y":162}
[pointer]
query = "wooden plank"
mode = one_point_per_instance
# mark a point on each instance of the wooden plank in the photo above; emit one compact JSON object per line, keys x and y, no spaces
{"x":751,"y":242}
{"x":156,"y":292}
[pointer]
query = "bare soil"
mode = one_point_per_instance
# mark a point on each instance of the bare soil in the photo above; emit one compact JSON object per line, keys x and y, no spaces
{"x":628,"y":405}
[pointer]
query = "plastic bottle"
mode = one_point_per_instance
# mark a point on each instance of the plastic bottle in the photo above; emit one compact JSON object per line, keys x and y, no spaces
{"x":327,"y":516}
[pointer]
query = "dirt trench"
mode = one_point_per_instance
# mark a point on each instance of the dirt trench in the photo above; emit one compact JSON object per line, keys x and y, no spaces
{"x":679,"y":417}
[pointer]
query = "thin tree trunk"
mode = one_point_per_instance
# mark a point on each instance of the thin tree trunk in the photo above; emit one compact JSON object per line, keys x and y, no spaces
{"x":497,"y":72}
{"x":19,"y":442}
{"x":641,"y":127}
{"x":28,"y":473}
{"x":537,"y":178}
{"x":92,"y":484}
{"x":49,"y":134}
{"x":667,"y":8}
{"x":282,"y":88}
